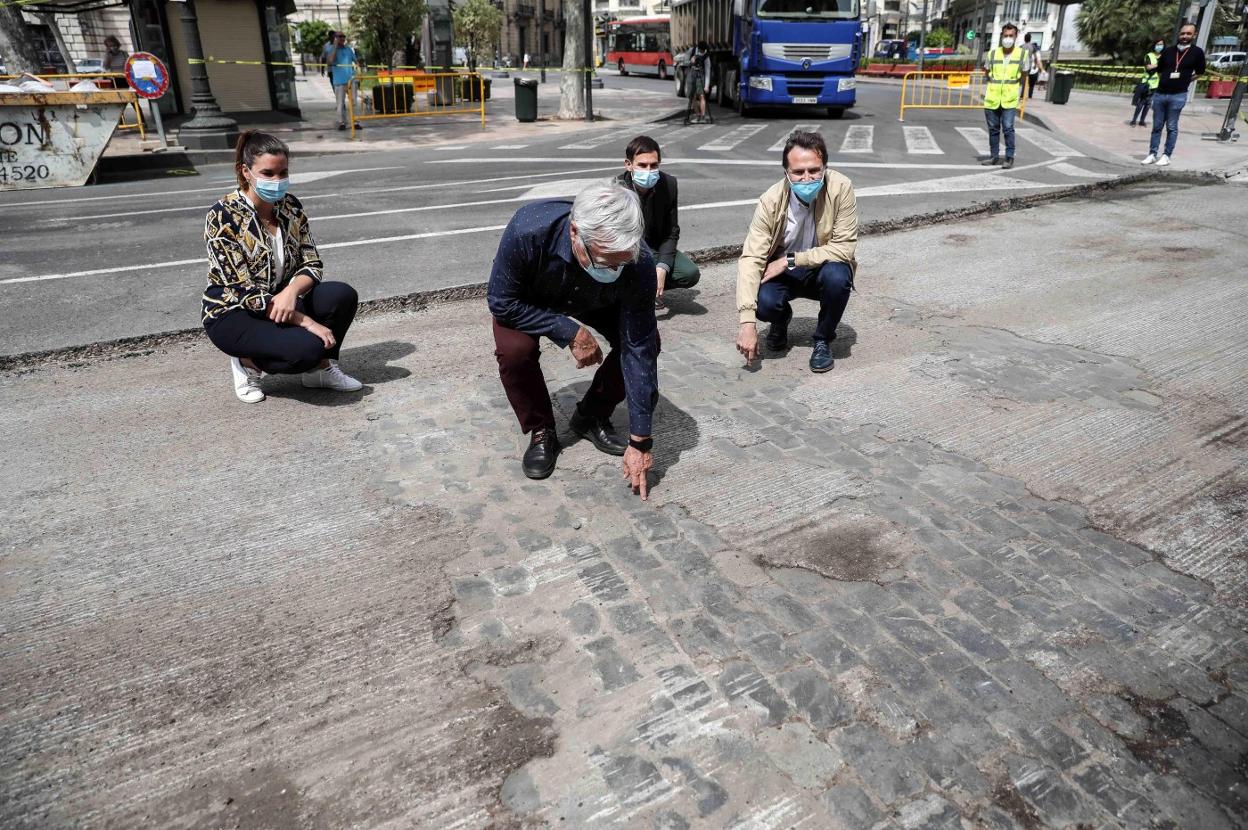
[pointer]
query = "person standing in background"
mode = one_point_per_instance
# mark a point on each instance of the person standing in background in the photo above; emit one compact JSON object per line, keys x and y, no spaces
{"x":114,"y":61}
{"x":1148,"y":84}
{"x":1177,"y":67}
{"x":342,"y":61}
{"x":1033,"y":65}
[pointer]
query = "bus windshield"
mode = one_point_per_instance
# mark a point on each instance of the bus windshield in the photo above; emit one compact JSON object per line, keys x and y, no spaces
{"x":826,"y":9}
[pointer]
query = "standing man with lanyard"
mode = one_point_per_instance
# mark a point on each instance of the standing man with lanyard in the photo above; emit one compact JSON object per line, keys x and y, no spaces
{"x":1176,"y":68}
{"x":1147,"y":86}
{"x":1005,"y":73}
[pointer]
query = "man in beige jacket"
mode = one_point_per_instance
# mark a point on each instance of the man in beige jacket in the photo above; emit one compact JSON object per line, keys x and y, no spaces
{"x":801,"y":244}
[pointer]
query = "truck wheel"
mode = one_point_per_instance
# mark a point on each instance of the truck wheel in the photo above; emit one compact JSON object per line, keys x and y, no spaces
{"x":836,"y":112}
{"x":662,"y":71}
{"x":623,"y":72}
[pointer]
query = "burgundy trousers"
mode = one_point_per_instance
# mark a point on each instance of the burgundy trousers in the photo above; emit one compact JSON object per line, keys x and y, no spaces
{"x":520,"y":369}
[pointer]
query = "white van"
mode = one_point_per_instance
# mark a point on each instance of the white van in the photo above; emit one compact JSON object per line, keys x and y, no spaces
{"x":1224,"y":61}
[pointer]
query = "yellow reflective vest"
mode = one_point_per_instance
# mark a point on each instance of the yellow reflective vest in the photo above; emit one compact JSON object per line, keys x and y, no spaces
{"x":1150,"y":71}
{"x":1004,"y":74}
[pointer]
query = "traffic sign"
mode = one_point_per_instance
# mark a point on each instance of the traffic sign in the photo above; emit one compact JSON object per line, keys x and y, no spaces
{"x":970,"y":34}
{"x":146,"y":75}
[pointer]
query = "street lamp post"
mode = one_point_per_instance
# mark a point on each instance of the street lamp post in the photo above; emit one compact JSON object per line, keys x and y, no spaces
{"x":209,"y":128}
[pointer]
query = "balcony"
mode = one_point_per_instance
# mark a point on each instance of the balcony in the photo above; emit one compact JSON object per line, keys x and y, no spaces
{"x":526,"y":10}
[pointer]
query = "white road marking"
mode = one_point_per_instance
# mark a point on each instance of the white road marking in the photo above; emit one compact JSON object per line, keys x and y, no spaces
{"x":593,"y":142}
{"x":809,"y":128}
{"x":449,"y":149}
{"x":920,"y":141}
{"x":681,"y":133}
{"x":877,"y":165}
{"x":510,"y":147}
{"x":1046,"y":142}
{"x":952,"y":184}
{"x":977,"y":137}
{"x":1071,"y":170}
{"x":858,"y":139}
{"x":732,"y":138}
{"x":555,"y":190}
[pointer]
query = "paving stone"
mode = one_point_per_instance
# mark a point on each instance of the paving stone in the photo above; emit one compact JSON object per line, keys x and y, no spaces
{"x":850,"y":806}
{"x":801,"y":755}
{"x":701,"y":638}
{"x":948,"y":768}
{"x":687,"y":558}
{"x":972,"y":638}
{"x":603,"y":582}
{"x":1058,"y":802}
{"x":814,"y":697}
{"x":931,"y":812}
{"x":741,"y":682}
{"x":612,"y":668}
{"x":900,"y":668}
{"x":829,"y":651}
{"x":630,"y":553}
{"x":473,"y":594}
{"x":764,"y":646}
{"x":582,"y":617}
{"x":710,"y":795}
{"x":885,"y":770}
{"x":523,"y":686}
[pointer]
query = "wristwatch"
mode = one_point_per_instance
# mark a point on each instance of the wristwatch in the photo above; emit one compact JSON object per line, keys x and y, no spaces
{"x":791,"y":258}
{"x":644,"y":445}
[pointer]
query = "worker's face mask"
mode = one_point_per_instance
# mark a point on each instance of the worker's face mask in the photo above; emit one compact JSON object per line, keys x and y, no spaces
{"x":806,"y":191}
{"x":1159,"y":47}
{"x":645,"y":178}
{"x":1007,"y":42}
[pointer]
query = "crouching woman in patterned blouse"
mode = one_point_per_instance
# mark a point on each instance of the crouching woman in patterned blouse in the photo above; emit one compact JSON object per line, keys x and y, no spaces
{"x":265,"y":305}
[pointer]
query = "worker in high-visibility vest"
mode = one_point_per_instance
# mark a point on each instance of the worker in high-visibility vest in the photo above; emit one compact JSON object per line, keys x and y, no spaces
{"x":1004,"y":68}
{"x":1148,"y":83}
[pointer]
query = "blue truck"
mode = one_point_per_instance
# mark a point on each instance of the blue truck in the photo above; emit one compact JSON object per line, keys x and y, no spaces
{"x":772,"y":53}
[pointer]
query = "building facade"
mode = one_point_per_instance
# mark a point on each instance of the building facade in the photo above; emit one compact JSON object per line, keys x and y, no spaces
{"x":535,"y":28}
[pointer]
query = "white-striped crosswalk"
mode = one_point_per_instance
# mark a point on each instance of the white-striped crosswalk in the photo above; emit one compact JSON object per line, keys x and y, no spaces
{"x":732,"y":138}
{"x":1046,"y":142}
{"x":977,"y":137}
{"x":592,"y":142}
{"x":859,"y":138}
{"x":805,"y":128}
{"x":920,"y":141}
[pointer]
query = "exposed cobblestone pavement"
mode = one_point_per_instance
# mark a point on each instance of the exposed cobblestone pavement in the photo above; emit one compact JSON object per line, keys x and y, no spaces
{"x":989,"y":572}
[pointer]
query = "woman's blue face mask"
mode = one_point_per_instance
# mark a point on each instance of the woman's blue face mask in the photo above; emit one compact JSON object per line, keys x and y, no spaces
{"x":272,"y":190}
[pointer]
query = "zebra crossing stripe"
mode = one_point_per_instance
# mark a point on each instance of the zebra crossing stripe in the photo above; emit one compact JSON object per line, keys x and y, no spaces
{"x":858,"y":139}
{"x":592,"y":142}
{"x":1047,"y":143}
{"x":1071,"y":170}
{"x":977,"y":137}
{"x":733,"y":138}
{"x":809,"y":128}
{"x":920,"y":141}
{"x":681,"y":133}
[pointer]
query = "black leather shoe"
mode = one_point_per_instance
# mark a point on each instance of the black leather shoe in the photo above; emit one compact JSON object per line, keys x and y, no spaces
{"x":539,"y":458}
{"x":992,"y":162}
{"x":821,"y":357}
{"x":778,"y":334}
{"x":599,"y":432}
{"x":1007,"y":164}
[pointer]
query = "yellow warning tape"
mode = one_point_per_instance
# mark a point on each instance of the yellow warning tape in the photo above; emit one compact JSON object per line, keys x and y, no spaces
{"x":377,"y":66}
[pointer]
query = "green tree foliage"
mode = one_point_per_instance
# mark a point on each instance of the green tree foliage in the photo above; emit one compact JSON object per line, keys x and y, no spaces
{"x":477,"y":24}
{"x":382,"y":26}
{"x":311,"y":35}
{"x":1124,"y":29}
{"x":939,"y":38}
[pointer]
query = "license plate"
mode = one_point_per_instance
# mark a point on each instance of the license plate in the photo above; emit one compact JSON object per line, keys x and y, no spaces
{"x":806,"y":100}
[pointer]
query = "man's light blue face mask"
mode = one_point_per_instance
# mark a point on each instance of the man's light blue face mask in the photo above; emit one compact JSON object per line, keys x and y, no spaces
{"x":605,"y":274}
{"x":807,"y":191}
{"x":645,"y":178}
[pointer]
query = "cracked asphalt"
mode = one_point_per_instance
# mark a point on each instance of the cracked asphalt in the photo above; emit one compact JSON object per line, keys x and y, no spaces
{"x":989,"y":572}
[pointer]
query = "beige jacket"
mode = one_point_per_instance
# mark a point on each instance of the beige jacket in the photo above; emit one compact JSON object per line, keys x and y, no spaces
{"x":836,"y":236}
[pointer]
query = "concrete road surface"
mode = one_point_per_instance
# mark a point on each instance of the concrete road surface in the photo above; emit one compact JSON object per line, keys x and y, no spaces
{"x":989,"y":572}
{"x":123,"y":260}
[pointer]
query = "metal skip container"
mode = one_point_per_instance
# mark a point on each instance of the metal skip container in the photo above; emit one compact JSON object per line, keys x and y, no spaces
{"x":54,"y":139}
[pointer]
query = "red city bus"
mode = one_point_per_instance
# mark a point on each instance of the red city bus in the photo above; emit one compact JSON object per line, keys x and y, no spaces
{"x":642,"y":45}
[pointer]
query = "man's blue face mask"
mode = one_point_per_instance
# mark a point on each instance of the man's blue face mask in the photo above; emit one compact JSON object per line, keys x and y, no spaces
{"x":806,"y":191}
{"x":600,"y":273}
{"x":645,"y":178}
{"x":272,"y":190}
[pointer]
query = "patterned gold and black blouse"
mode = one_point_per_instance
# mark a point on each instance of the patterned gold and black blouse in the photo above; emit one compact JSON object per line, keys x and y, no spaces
{"x":241,"y":268}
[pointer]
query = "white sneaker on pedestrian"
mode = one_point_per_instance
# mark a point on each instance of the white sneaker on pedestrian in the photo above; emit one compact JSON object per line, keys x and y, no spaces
{"x":1164,"y":161}
{"x":246,"y":382}
{"x":1149,"y":159}
{"x":331,"y":378}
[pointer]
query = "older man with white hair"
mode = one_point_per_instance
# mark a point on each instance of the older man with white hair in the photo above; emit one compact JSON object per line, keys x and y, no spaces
{"x":561,"y":269}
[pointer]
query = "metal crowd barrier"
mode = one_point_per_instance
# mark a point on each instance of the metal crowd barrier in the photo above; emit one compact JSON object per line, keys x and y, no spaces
{"x":950,"y":89}
{"x":403,"y":93}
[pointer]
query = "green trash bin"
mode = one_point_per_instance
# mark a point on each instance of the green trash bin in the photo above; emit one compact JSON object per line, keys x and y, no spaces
{"x":526,"y":99}
{"x":1063,"y":82}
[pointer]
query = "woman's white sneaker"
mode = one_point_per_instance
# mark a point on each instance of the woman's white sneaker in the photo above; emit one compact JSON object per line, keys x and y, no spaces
{"x":1149,"y":159}
{"x":1164,"y":161}
{"x":331,"y":378}
{"x":246,"y":382}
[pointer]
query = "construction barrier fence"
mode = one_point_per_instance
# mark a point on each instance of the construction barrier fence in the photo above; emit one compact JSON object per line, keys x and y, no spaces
{"x":407,"y":94}
{"x":944,"y":90}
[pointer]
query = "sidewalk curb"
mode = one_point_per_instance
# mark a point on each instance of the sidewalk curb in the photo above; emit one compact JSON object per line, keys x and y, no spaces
{"x":138,"y":346}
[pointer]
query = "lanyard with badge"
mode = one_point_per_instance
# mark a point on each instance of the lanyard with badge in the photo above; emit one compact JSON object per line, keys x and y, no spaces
{"x":1177,"y":63}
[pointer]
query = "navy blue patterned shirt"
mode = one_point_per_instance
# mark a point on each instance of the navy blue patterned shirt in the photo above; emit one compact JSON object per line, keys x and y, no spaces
{"x":538,"y":287}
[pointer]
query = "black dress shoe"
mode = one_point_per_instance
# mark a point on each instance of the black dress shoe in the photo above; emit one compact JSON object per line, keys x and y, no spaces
{"x":599,"y":432}
{"x":539,"y":458}
{"x":778,"y":334}
{"x":1007,"y":164}
{"x":991,"y":162}
{"x":821,"y":357}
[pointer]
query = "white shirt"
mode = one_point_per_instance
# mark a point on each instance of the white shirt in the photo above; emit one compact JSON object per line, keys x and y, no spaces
{"x":279,"y":255}
{"x":799,"y":228}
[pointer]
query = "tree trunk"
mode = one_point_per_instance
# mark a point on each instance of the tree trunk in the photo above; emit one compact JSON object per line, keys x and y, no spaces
{"x":572,"y":83}
{"x":19,"y":54}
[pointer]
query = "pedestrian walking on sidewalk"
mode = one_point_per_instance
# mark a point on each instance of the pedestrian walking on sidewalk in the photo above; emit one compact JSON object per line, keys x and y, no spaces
{"x":266,"y":305}
{"x":1004,"y":68}
{"x":342,"y":63}
{"x":659,"y":207}
{"x":563,"y":268}
{"x":801,"y":243}
{"x":1144,"y":90}
{"x":1177,"y":66}
{"x":326,"y":50}
{"x":1033,"y":65}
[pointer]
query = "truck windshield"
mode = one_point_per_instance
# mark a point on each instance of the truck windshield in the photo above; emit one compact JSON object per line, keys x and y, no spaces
{"x":837,"y":9}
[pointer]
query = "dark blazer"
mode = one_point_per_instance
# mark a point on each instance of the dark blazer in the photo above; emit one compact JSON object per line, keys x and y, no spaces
{"x":658,"y":206}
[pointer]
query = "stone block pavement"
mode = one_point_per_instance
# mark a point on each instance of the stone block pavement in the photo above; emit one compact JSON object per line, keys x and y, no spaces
{"x":989,"y":572}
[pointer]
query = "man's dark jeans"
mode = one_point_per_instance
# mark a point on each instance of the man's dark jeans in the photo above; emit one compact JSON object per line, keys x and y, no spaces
{"x":1166,"y":110}
{"x":829,"y":284}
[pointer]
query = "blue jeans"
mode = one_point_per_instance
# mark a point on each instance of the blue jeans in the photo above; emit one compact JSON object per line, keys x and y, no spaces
{"x":830,"y":284}
{"x":1166,"y":109}
{"x":1000,"y":121}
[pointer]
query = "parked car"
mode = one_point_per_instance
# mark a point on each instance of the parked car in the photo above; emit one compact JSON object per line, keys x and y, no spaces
{"x":888,"y":49}
{"x":1225,"y":61}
